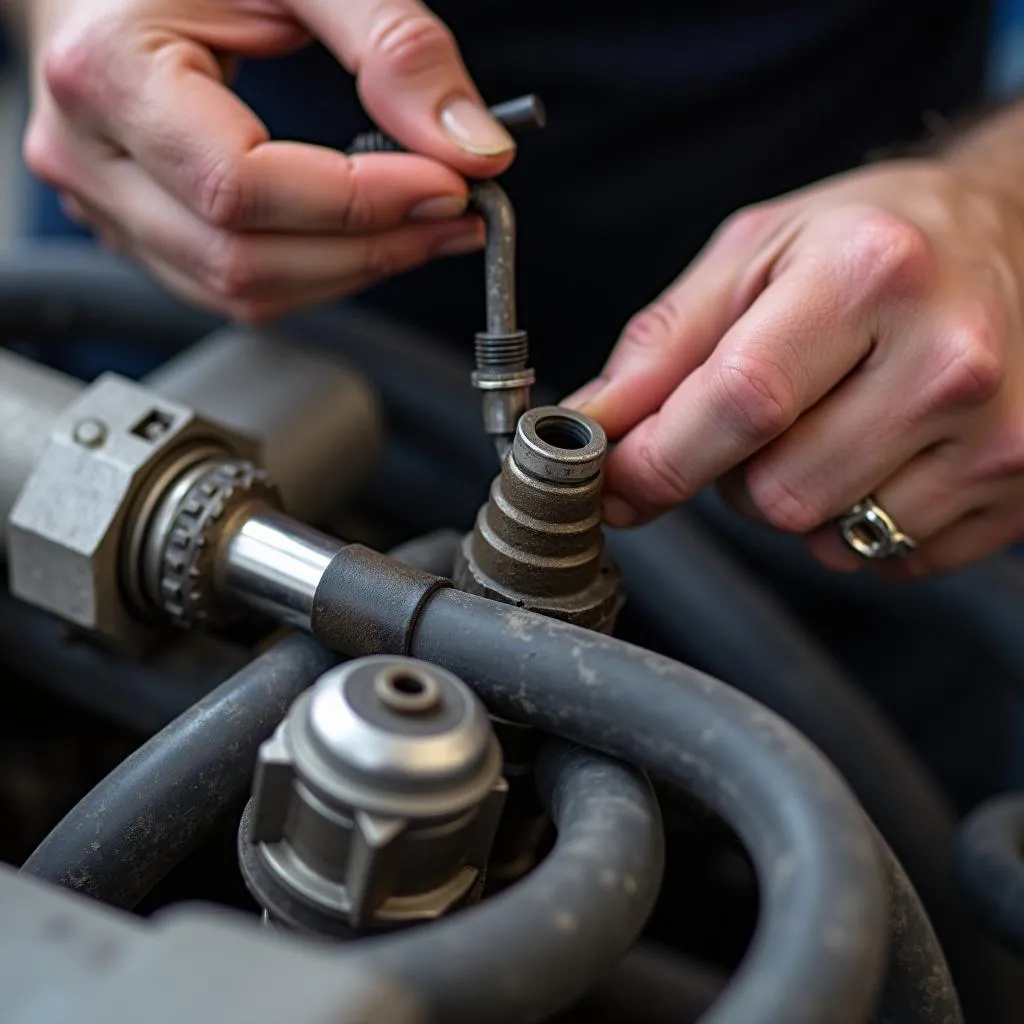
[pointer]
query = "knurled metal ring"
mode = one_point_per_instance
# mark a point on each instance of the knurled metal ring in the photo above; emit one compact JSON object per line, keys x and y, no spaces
{"x":189,"y":551}
{"x":869,"y":531}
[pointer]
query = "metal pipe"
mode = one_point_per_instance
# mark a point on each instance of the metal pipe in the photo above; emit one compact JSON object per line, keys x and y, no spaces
{"x":31,"y":399}
{"x":273,"y":564}
{"x":491,"y":201}
{"x":68,"y":290}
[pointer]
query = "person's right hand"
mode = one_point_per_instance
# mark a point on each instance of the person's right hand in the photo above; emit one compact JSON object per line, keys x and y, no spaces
{"x":134,"y":123}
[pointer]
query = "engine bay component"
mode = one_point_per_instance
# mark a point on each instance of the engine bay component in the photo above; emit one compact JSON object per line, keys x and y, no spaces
{"x":184,"y":540}
{"x":538,"y":542}
{"x":308,"y":409}
{"x":70,"y":959}
{"x":75,"y":533}
{"x":365,"y":834}
{"x":502,"y":374}
{"x":375,"y":803}
{"x":524,"y":828}
{"x":31,"y":399}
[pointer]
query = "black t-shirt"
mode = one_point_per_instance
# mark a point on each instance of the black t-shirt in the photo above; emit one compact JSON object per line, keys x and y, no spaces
{"x":664,"y":118}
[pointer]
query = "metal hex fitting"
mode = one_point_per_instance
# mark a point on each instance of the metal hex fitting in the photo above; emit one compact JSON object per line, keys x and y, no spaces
{"x":376,"y":801}
{"x":538,"y":542}
{"x":74,"y":548}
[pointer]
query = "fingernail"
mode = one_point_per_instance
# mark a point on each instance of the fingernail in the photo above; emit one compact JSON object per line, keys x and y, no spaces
{"x":619,"y":513}
{"x":469,"y":239}
{"x":473,"y":129}
{"x":438,"y":208}
{"x":585,"y":394}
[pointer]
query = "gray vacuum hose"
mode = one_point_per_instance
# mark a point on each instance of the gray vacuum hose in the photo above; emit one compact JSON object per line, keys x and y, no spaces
{"x":819,"y":951}
{"x":537,"y":946}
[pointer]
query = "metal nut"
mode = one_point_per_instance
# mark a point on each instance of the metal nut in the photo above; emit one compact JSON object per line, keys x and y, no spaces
{"x":70,"y":529}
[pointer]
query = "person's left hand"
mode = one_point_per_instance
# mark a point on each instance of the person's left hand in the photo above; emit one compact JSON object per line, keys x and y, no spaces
{"x":860,"y":337}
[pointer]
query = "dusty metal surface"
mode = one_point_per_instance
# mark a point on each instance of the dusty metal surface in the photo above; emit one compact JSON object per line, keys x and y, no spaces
{"x":75,"y":533}
{"x":32,"y":397}
{"x":502,"y":375}
{"x":538,"y":542}
{"x":190,"y":964}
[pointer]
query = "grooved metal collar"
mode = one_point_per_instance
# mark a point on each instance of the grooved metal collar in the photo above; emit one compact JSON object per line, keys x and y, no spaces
{"x":193,"y":522}
{"x":559,"y":445}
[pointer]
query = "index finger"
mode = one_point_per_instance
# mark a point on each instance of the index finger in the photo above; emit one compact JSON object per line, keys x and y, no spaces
{"x":172,"y":112}
{"x":782,"y":356}
{"x":412,"y":79}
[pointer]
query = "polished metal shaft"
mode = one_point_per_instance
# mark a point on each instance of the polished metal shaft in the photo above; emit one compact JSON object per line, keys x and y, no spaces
{"x":274,"y":564}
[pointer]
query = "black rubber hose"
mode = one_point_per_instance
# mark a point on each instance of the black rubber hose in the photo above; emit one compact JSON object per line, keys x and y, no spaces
{"x":155,"y":807}
{"x":683,"y":574}
{"x":989,"y":867}
{"x":982,"y":601}
{"x":57,"y":291}
{"x":433,"y":553}
{"x":651,"y":986}
{"x":537,"y":946}
{"x":141,"y":697}
{"x":816,"y":858}
{"x":919,"y":988}
{"x":676,"y":573}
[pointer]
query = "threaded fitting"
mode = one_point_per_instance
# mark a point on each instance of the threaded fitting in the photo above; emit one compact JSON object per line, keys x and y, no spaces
{"x":502,"y":352}
{"x":538,"y":542}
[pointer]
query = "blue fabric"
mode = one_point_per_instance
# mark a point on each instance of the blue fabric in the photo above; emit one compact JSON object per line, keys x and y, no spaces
{"x":1006,"y":75}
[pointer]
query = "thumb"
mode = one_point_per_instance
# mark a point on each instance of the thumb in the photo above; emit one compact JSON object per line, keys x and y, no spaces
{"x":412,"y":80}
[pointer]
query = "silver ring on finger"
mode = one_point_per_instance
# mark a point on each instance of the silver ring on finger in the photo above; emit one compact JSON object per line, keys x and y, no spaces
{"x":869,"y":531}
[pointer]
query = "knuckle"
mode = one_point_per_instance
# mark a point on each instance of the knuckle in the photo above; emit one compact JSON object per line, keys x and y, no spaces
{"x":219,"y":193}
{"x":888,"y":254}
{"x":652,"y":327}
{"x":75,"y":69}
{"x":747,"y":223}
{"x":410,"y":42}
{"x":43,"y":155}
{"x":757,"y":398}
{"x":780,"y":504}
{"x":970,"y":365}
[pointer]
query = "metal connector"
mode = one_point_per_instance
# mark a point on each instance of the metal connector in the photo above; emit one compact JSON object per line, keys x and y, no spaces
{"x":538,"y":542}
{"x":375,"y":803}
{"x":503,"y":375}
